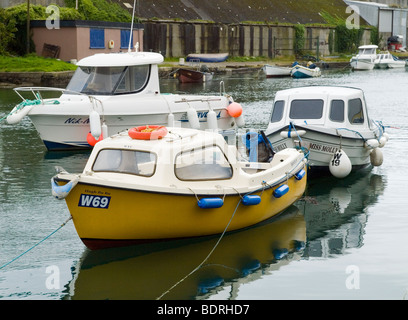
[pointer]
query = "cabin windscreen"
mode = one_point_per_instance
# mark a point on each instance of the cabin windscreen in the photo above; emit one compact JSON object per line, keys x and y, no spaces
{"x":109,"y":80}
{"x":207,"y":163}
{"x":306,"y":109}
{"x":140,"y":163}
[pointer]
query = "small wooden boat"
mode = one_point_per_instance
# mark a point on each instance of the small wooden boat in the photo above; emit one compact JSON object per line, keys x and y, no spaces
{"x":332,"y":124}
{"x":273,"y":71}
{"x":184,"y":183}
{"x":193,"y":76}
{"x":207,"y":57}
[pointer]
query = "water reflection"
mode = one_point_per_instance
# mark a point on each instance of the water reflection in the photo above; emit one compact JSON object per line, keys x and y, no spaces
{"x":335,"y":212}
{"x":148,"y":271}
{"x":329,"y":220}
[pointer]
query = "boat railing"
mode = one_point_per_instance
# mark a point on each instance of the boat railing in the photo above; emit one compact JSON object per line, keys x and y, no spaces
{"x":36,"y":91}
{"x":197,"y":100}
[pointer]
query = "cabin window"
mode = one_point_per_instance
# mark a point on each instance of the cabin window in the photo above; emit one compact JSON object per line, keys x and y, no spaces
{"x":355,"y":111}
{"x":97,"y":38}
{"x":277,"y":112}
{"x":337,"y":111}
{"x":109,"y":80}
{"x":207,"y":163}
{"x":134,"y":79}
{"x":306,"y":109}
{"x":140,"y":163}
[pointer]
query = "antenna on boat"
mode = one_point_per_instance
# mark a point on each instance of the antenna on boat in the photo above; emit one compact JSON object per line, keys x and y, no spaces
{"x":131,"y":26}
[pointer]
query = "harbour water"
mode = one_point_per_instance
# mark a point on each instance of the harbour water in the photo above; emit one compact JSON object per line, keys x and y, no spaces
{"x":344,"y":240}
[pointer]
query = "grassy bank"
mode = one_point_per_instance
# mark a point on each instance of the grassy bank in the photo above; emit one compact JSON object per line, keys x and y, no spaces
{"x":33,"y":63}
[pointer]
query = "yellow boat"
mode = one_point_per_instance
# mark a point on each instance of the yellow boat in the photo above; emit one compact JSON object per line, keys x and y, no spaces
{"x":182,"y":183}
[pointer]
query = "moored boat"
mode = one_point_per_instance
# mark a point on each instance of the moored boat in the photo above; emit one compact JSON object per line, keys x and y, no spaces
{"x":332,"y":123}
{"x":112,"y":92}
{"x":273,"y":71}
{"x":193,"y":76}
{"x":365,"y":59}
{"x":185,"y":183}
{"x":299,"y":72}
{"x":207,"y":57}
{"x":386,"y":60}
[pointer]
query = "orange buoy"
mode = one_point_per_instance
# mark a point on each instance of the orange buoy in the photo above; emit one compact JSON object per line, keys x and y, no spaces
{"x":91,"y":140}
{"x":234,"y":109}
{"x":147,"y":132}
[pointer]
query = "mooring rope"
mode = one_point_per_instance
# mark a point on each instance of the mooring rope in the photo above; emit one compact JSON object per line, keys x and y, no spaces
{"x":205,"y":259}
{"x":38,"y":243}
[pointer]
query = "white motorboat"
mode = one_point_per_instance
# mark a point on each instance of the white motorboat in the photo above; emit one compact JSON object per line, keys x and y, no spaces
{"x":365,"y":59}
{"x":331,"y":124}
{"x":299,"y":72}
{"x":386,"y":60}
{"x":112,"y":92}
{"x":273,"y":71}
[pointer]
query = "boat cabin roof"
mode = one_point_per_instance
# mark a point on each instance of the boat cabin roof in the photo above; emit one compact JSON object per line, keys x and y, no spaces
{"x":368,"y":46}
{"x":328,"y":106}
{"x":121,"y":59}
{"x":108,"y":74}
{"x":192,"y":155}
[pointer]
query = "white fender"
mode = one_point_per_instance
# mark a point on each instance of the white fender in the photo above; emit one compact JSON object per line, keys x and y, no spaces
{"x":104,"y":130}
{"x":170,"y":120}
{"x":95,"y":124}
{"x":292,"y":133}
{"x":193,"y":118}
{"x":376,"y":157}
{"x":16,"y":116}
{"x":212,"y":120}
{"x":240,"y":121}
{"x":382,"y":142}
{"x":371,"y":144}
{"x":340,"y":164}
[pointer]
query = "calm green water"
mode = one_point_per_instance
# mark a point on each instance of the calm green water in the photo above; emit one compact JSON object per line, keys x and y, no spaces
{"x":346,"y":240}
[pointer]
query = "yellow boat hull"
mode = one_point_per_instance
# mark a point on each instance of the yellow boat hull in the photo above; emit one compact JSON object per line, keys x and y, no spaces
{"x":105,"y":216}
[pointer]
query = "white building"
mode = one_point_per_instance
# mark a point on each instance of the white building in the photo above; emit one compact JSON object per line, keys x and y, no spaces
{"x":391,"y":21}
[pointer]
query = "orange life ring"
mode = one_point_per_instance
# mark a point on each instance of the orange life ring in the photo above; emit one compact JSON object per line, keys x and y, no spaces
{"x":147,"y":132}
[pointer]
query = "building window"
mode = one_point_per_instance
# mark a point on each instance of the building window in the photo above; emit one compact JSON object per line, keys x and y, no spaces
{"x":97,"y":38}
{"x":124,"y":39}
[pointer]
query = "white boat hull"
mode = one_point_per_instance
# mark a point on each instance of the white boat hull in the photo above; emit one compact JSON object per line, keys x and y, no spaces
{"x":300,"y":72}
{"x":275,"y":71}
{"x":322,"y":144}
{"x":66,"y":126}
{"x":357,"y":64}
